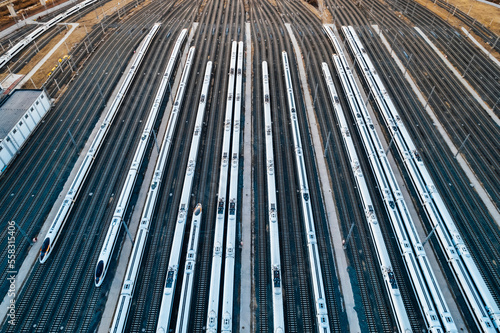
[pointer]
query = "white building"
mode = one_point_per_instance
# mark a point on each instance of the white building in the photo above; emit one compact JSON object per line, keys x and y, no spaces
{"x":19,"y":115}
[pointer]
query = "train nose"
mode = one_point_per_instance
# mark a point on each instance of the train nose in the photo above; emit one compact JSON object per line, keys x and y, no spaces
{"x":44,"y":249}
{"x":98,"y":273}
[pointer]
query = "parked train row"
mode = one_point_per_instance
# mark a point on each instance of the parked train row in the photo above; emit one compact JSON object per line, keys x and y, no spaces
{"x":5,"y":58}
{"x":479,"y":298}
{"x":134,"y":264}
{"x":277,"y":288}
{"x":230,"y":260}
{"x":215,"y":276}
{"x":216,"y":273}
{"x":384,"y":260}
{"x":186,"y":295}
{"x":63,"y":212}
{"x":180,"y":226}
{"x":124,"y":198}
{"x":423,"y":280}
{"x":312,"y":246}
{"x":416,"y":262}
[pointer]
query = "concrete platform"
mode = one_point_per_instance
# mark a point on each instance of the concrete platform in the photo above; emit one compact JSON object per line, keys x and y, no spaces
{"x":246,"y":300}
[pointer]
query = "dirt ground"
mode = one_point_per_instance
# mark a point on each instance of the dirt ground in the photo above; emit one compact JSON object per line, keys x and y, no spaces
{"x":484,"y":13}
{"x":85,"y":24}
{"x":487,"y":15}
{"x":25,"y":8}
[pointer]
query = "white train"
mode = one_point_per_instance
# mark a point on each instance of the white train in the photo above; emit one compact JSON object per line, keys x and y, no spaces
{"x":124,"y":198}
{"x":477,"y":294}
{"x":393,"y":291}
{"x":312,"y":246}
{"x":5,"y":58}
{"x":186,"y":295}
{"x":180,"y":226}
{"x":63,"y":212}
{"x":421,"y":275}
{"x":277,"y":287}
{"x":215,"y":277}
{"x":134,"y":264}
{"x":228,"y":289}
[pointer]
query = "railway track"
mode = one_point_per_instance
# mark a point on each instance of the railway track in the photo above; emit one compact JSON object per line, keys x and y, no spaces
{"x":227,"y":26}
{"x":316,"y":54}
{"x":21,"y":59}
{"x":479,"y":29}
{"x":484,"y":246}
{"x":79,"y":305}
{"x":264,"y":31}
{"x":65,"y":294}
{"x":211,"y":40}
{"x":47,"y":158}
{"x":299,"y":313}
{"x":444,"y":169}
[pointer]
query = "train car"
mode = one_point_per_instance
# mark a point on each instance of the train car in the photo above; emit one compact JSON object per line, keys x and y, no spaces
{"x":321,"y":310}
{"x":189,"y":269}
{"x":276,"y":276}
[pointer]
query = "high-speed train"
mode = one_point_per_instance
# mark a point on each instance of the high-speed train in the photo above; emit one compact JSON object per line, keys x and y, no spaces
{"x":124,"y":198}
{"x":53,"y":234}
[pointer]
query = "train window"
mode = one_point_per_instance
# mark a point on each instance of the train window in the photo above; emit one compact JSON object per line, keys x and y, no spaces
{"x":448,"y":319}
{"x":433,"y":317}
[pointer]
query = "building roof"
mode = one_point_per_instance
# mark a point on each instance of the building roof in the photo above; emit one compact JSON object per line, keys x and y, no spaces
{"x":14,"y":107}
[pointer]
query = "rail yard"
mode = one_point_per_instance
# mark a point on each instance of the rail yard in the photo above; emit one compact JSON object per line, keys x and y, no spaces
{"x":255,"y":166}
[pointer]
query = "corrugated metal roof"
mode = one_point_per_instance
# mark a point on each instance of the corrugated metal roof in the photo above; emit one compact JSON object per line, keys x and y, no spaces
{"x":14,"y":107}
